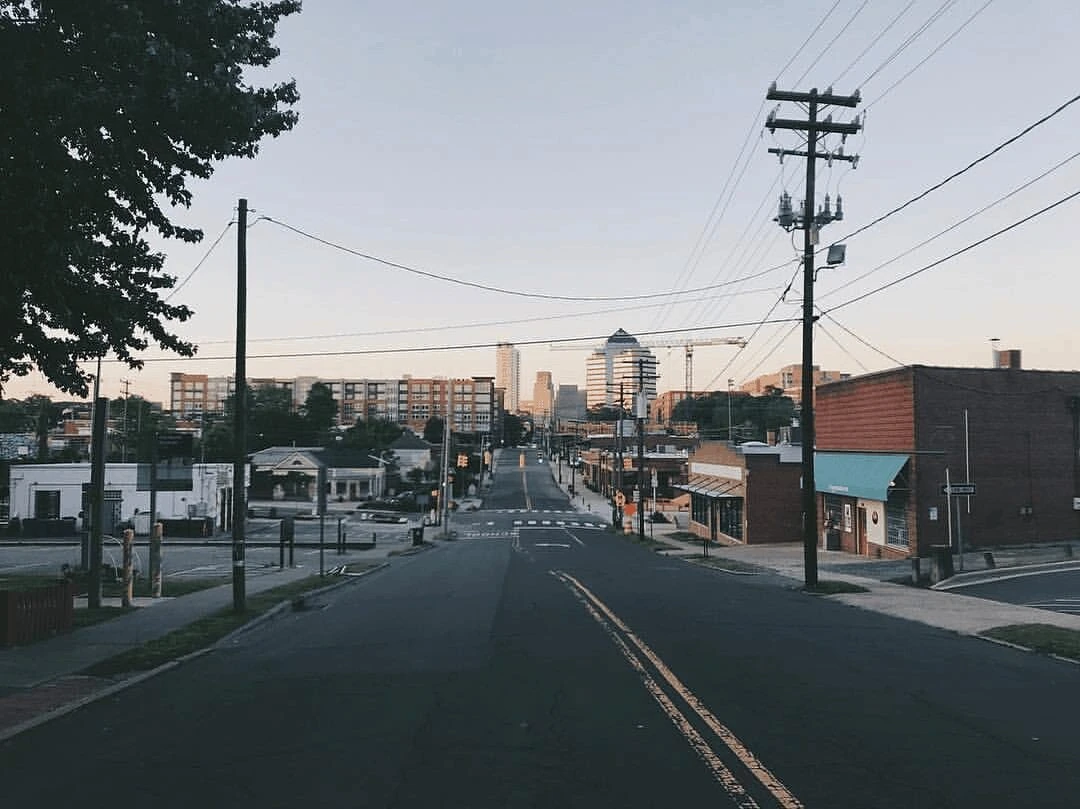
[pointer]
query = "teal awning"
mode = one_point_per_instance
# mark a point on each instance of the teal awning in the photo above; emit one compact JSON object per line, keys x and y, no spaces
{"x":856,"y":474}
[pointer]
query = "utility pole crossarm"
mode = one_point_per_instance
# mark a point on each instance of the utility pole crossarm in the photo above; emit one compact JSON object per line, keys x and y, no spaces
{"x":817,"y":127}
{"x":826,"y":99}
{"x":850,"y":158}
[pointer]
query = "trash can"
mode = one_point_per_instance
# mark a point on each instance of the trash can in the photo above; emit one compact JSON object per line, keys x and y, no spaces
{"x":941,"y":563}
{"x":418,"y":535}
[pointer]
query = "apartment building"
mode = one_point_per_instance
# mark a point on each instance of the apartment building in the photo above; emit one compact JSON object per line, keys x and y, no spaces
{"x":789,"y":380}
{"x":508,"y":374}
{"x":407,"y":401}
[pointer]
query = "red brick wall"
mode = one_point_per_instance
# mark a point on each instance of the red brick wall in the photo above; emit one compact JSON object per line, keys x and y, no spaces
{"x":1021,"y":453}
{"x":869,"y":413}
{"x":773,"y":512}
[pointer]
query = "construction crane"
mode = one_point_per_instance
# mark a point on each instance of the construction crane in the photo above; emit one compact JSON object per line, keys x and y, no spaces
{"x":686,"y":343}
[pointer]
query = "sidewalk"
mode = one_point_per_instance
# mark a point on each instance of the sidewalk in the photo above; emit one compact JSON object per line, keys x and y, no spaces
{"x":951,"y":611}
{"x":44,"y":678}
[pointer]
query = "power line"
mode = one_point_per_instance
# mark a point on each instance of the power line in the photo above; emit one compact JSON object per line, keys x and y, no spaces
{"x":710,"y":227}
{"x":959,"y":252}
{"x":807,"y":40}
{"x":965,"y":170}
{"x":195,"y":269}
{"x":757,"y":327}
{"x":918,"y":32}
{"x":955,"y":225}
{"x":488,"y":287}
{"x":829,"y":334}
{"x":772,"y":351}
{"x":866,"y":343}
{"x":832,"y":42}
{"x":459,"y":347}
{"x":483,"y":324}
{"x":932,"y":53}
{"x":874,"y":42}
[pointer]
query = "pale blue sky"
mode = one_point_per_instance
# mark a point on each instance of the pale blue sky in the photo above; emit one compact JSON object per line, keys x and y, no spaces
{"x":577,"y":148}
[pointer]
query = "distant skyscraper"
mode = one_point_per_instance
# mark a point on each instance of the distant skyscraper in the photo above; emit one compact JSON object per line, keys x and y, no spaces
{"x":569,"y":403}
{"x":543,"y":398}
{"x":618,"y":361}
{"x":508,"y":374}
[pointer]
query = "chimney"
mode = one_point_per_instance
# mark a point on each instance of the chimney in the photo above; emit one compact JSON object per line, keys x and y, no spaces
{"x":1009,"y":359}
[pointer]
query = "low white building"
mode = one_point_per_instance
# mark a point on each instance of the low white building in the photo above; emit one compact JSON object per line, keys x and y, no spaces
{"x":55,"y":492}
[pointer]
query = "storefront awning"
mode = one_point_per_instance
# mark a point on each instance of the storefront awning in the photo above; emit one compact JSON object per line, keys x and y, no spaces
{"x":710,"y":486}
{"x":856,"y":474}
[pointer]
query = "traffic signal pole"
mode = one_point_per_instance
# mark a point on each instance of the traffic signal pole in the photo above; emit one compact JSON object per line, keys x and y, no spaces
{"x":810,"y":224}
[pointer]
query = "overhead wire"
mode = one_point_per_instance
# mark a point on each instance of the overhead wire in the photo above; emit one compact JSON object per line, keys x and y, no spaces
{"x":821,"y":328}
{"x":201,"y":261}
{"x":591,"y":339}
{"x":490,"y":287}
{"x":956,"y":253}
{"x":981,"y":159}
{"x":927,"y":23}
{"x":806,"y":41}
{"x":865,"y":342}
{"x":471,"y":325}
{"x":954,"y":225}
{"x":711,"y":225}
{"x":930,"y":55}
{"x":832,"y":42}
{"x":873,"y":42}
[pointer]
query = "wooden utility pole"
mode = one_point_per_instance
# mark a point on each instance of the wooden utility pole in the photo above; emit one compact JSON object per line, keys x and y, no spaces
{"x":240,"y":414}
{"x":639,"y":406}
{"x":97,"y":501}
{"x":810,"y":223}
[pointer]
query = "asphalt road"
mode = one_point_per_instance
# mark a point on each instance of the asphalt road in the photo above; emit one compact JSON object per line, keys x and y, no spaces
{"x":567,"y":667}
{"x":1057,"y":590}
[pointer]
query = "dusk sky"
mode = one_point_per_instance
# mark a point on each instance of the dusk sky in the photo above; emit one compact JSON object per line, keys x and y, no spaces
{"x":582,"y":149}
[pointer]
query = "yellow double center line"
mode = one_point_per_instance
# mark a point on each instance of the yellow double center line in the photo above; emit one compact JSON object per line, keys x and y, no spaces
{"x":617,"y":630}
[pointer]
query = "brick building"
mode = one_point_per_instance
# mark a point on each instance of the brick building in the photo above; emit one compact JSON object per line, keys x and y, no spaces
{"x":789,"y":380}
{"x":885,"y":442}
{"x":747,"y":493}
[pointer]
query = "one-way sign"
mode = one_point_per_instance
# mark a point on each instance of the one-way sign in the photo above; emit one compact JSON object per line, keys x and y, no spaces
{"x":958,"y":489}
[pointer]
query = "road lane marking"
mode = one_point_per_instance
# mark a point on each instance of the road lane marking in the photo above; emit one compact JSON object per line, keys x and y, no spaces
{"x":697,"y":742}
{"x":776,"y":787}
{"x":578,"y":541}
{"x":525,"y":485}
{"x":23,"y":567}
{"x":551,"y":545}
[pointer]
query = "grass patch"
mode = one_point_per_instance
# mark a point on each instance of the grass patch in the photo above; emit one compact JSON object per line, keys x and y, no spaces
{"x":1051,"y":640}
{"x":728,"y":564}
{"x":685,"y":536}
{"x":201,"y":633}
{"x":831,"y":588}
{"x":649,"y":542}
{"x":28,"y":582}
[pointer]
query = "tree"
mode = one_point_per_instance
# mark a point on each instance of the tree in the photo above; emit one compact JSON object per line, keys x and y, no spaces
{"x":320,"y":410}
{"x":513,"y":430}
{"x":107,"y":110}
{"x":433,"y":430}
{"x":372,"y":435}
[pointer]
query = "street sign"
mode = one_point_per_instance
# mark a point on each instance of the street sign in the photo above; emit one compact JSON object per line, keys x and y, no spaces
{"x":958,"y":489}
{"x":620,"y":499}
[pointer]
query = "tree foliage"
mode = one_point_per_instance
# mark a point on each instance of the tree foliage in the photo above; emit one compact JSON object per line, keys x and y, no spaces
{"x":320,"y":409}
{"x":752,"y":417}
{"x":107,"y":109}
{"x":433,"y":430}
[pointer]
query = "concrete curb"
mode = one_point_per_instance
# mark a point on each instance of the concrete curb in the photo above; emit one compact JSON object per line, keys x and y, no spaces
{"x":282,"y":606}
{"x":973,"y":578}
{"x":135,"y":679}
{"x":107,"y":691}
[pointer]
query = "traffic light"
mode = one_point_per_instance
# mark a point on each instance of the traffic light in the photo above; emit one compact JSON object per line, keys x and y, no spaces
{"x":463,"y":460}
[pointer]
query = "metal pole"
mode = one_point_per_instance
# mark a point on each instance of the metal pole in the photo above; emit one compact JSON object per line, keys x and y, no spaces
{"x":322,"y":544}
{"x":948,"y":504}
{"x":640,"y":477}
{"x":240,"y":413}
